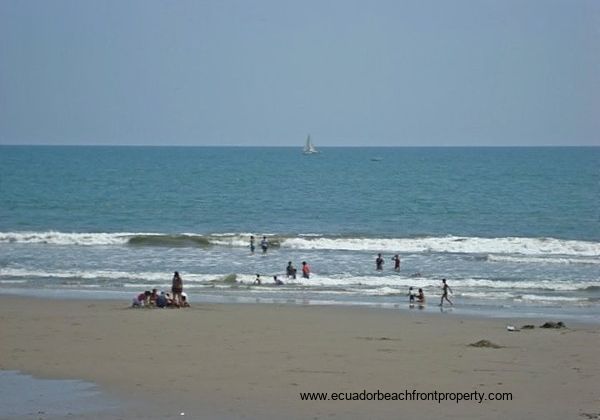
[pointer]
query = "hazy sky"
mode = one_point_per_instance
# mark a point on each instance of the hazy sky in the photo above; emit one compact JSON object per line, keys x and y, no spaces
{"x":268,"y":72}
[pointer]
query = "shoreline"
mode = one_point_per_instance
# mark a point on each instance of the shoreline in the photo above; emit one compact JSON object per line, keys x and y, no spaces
{"x":586,"y":316}
{"x":252,"y":361}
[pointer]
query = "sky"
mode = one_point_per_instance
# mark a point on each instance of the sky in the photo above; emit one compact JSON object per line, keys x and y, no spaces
{"x":269,"y":72}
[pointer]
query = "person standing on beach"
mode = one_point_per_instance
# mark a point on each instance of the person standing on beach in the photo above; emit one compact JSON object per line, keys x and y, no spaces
{"x":305,"y":270}
{"x":177,"y":288}
{"x":445,"y":289}
{"x":396,"y":260}
{"x":264,"y":244}
{"x":252,"y":247}
{"x":379,"y":262}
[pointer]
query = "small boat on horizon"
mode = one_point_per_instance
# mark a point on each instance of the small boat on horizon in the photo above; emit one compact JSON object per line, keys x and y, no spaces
{"x":309,"y":147}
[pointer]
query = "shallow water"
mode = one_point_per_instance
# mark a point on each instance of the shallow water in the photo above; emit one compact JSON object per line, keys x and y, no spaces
{"x":24,"y":396}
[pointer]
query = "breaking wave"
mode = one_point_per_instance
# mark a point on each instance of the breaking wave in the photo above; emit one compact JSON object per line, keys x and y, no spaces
{"x":394,"y":284}
{"x":515,"y":249}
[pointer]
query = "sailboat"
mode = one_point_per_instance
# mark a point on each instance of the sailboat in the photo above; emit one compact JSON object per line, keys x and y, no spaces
{"x":309,"y":147}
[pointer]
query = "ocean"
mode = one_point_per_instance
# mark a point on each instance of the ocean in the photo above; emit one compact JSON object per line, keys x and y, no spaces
{"x":515,"y":231}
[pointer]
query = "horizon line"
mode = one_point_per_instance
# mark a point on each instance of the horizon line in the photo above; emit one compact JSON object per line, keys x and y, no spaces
{"x":298,"y":147}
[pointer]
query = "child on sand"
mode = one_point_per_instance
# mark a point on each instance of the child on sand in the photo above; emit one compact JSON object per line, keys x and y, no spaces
{"x":162,"y":301}
{"x":421,"y":297}
{"x":153,"y":297}
{"x":142,"y":299}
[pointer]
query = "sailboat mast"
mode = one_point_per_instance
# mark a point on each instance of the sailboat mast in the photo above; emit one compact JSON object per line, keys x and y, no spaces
{"x":309,"y":149}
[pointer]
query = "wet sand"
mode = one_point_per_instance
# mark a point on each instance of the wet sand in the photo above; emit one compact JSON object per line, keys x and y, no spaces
{"x":236,"y":361}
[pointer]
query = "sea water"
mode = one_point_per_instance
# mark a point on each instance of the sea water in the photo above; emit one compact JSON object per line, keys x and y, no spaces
{"x":26,"y":397}
{"x":513,"y":230}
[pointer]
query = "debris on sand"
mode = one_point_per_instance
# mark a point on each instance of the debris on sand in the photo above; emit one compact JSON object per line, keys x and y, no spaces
{"x":552,"y":324}
{"x":485,"y":344}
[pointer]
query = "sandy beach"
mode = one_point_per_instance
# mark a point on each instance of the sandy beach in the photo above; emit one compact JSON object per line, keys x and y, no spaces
{"x":252,"y":361}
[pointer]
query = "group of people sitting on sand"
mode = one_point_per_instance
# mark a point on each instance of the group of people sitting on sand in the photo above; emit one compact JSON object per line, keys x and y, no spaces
{"x":416,"y":297}
{"x":153,"y":299}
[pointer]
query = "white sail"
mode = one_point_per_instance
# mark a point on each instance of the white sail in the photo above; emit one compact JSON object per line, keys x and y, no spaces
{"x":309,"y":148}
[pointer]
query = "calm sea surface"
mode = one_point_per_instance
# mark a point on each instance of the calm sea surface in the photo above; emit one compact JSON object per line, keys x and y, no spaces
{"x":514,"y":230}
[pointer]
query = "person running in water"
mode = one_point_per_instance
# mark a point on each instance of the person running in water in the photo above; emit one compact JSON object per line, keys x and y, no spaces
{"x":445,"y":289}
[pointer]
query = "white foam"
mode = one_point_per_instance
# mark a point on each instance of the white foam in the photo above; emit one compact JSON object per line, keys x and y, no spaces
{"x":342,"y":281}
{"x":557,"y":285}
{"x":495,"y":247}
{"x":542,"y":260}
{"x":453,"y":244}
{"x":60,"y":238}
{"x":552,"y":299}
{"x":447,"y":244}
{"x":155,"y":277}
{"x":380,"y":291}
{"x":492,"y":295}
{"x":403,"y":283}
{"x":232,"y":241}
{"x":75,"y":274}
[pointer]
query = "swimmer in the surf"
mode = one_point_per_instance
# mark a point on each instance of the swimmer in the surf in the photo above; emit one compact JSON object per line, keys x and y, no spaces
{"x":396,"y":260}
{"x":379,"y":262}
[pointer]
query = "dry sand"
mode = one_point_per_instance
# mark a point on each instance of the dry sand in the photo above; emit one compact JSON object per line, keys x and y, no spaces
{"x":252,"y":361}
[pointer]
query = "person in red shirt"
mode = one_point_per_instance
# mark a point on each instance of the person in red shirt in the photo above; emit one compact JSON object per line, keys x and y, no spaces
{"x":305,"y":270}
